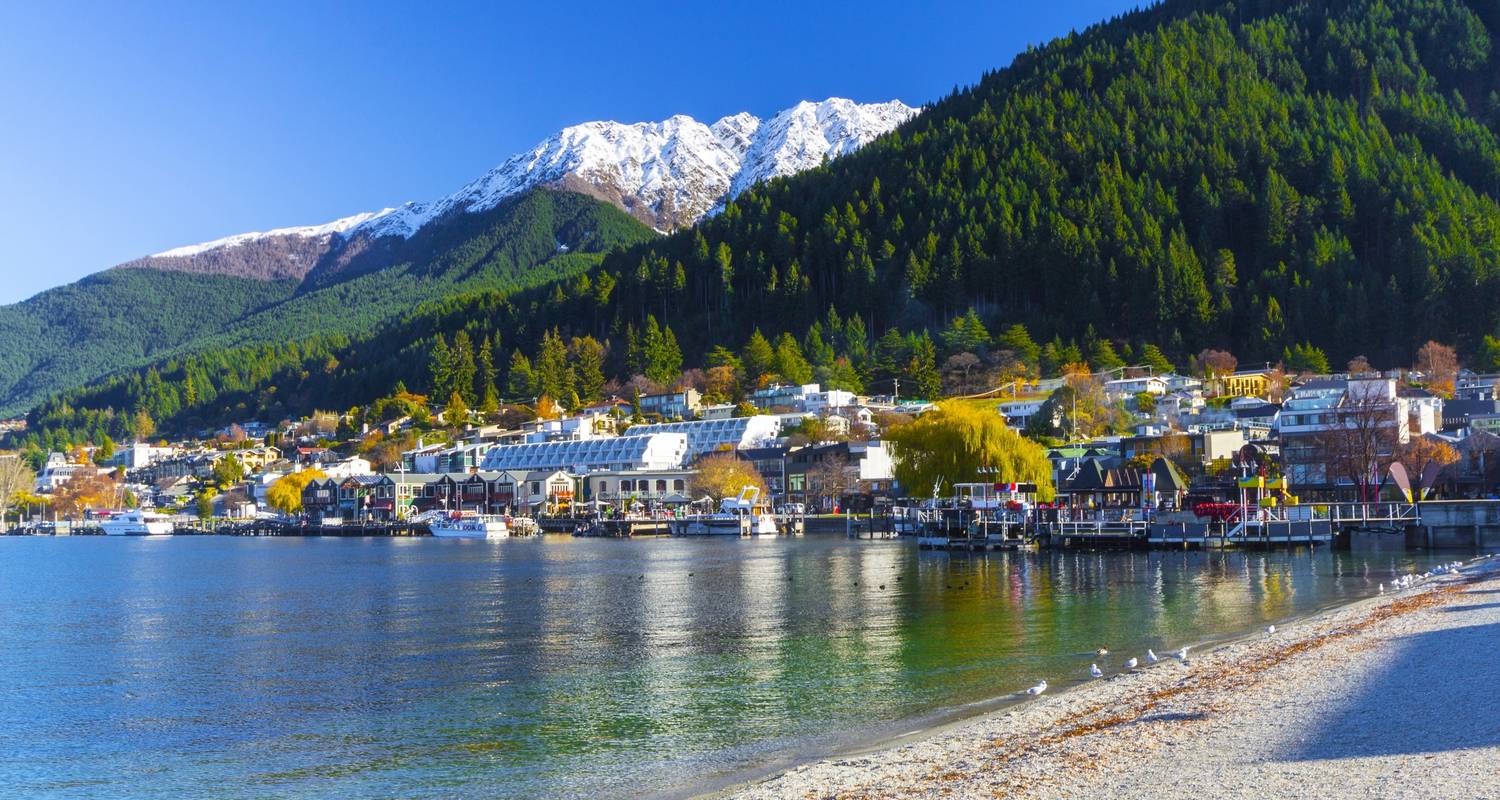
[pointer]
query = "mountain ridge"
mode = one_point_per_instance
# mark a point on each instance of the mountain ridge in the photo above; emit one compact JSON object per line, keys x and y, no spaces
{"x":668,"y":174}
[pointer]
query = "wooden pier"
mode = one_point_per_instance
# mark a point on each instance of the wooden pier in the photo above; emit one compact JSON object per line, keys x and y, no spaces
{"x":271,"y":527}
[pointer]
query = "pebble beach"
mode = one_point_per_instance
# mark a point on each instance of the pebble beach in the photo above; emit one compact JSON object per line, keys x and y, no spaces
{"x":1395,"y":696}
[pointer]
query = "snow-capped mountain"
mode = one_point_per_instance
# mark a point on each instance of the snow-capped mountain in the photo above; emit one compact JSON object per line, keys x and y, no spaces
{"x":668,"y":174}
{"x":671,"y":173}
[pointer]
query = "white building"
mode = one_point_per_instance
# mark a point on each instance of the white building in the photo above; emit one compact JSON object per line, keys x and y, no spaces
{"x":634,"y":451}
{"x":1018,"y":413}
{"x":1130,"y":387}
{"x":348,"y":468}
{"x":569,"y":429}
{"x":806,"y":397}
{"x":706,"y":436}
{"x":1324,"y":406}
{"x":139,"y":455}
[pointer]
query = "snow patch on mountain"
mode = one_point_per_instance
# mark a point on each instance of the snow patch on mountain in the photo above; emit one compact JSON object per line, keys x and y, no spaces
{"x":302,"y":232}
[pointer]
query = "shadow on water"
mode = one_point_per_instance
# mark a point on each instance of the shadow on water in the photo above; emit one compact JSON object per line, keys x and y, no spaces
{"x":1421,"y":703}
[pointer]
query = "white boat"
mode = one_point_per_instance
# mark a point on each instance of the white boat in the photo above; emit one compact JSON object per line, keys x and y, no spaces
{"x":137,"y":523}
{"x":723,"y":524}
{"x":737,"y":516}
{"x":468,"y":525}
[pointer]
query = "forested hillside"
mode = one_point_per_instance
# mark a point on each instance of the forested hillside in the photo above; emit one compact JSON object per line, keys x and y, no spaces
{"x":127,"y":318}
{"x":1283,"y":179}
{"x":113,"y":321}
{"x":1248,"y":175}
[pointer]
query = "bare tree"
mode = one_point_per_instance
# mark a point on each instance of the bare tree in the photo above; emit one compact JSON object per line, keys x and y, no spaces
{"x":1217,"y":363}
{"x":957,"y":372}
{"x":829,"y":479}
{"x":1358,"y":443}
{"x":1438,"y":364}
{"x":1359,"y":365}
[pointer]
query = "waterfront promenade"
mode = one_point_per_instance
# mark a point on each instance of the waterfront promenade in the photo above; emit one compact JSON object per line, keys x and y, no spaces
{"x":1391,"y":697}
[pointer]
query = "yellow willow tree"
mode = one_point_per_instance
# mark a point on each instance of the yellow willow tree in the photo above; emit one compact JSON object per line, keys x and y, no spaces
{"x":963,"y":443}
{"x":285,"y":495}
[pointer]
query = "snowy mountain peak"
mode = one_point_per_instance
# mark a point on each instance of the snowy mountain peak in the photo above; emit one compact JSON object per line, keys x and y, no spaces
{"x":669,"y":174}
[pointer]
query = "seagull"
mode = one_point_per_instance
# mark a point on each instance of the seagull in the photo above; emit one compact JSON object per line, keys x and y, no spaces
{"x":1181,"y":655}
{"x":1270,"y":629}
{"x":1095,"y":672}
{"x":1382,"y":588}
{"x":1151,"y":656}
{"x":1037,"y":689}
{"x":1131,"y":664}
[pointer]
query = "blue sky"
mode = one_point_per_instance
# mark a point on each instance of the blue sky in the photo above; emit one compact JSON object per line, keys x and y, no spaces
{"x":128,"y":131}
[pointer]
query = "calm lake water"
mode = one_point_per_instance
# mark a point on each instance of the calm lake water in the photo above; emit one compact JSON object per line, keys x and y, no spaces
{"x":414,"y":668}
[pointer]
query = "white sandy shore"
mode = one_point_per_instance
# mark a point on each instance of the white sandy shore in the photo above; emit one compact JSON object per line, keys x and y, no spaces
{"x":1398,"y":696}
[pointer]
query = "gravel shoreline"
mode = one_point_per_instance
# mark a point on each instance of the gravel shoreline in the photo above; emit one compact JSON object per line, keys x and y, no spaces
{"x":1395,"y":696}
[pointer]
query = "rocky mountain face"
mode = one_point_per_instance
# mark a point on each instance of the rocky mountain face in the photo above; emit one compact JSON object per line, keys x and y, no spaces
{"x":667,"y":174}
{"x":280,"y":254}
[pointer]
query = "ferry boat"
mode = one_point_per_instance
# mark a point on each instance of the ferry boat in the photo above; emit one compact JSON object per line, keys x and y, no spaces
{"x":737,"y":516}
{"x":468,"y":525}
{"x":137,"y":523}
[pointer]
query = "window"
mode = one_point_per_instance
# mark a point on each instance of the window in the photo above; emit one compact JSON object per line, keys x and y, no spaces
{"x":678,"y":485}
{"x":661,"y":486}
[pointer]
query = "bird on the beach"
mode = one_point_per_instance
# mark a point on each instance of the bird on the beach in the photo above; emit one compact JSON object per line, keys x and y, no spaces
{"x":1131,"y":664}
{"x":1037,"y":689}
{"x":1382,"y":588}
{"x":1181,"y":655}
{"x":1095,"y":672}
{"x":1270,"y":629}
{"x":1151,"y":657}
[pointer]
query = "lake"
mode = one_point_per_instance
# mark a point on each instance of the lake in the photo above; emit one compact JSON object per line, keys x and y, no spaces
{"x":560,"y":667}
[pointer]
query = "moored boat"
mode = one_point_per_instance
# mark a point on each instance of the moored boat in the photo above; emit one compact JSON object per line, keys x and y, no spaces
{"x":468,"y":525}
{"x":137,"y":523}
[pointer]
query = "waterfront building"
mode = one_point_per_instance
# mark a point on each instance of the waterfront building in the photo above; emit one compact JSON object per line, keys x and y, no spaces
{"x":367,"y":497}
{"x":638,"y":449}
{"x":1096,"y":485}
{"x":645,"y":489}
{"x":320,"y":498}
{"x":707,"y":436}
{"x":1320,"y":413}
{"x":828,"y":475}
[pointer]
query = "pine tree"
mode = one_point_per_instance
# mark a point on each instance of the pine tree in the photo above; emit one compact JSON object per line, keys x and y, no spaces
{"x":922,"y":370}
{"x":440,"y":367}
{"x":521,"y":379}
{"x":790,"y":363}
{"x":463,"y":371}
{"x":1018,"y":340}
{"x":552,"y":375}
{"x":760,"y":358}
{"x":890,"y":357}
{"x":588,"y":367}
{"x":663,"y":356}
{"x":489,"y":394}
{"x":1152,"y":357}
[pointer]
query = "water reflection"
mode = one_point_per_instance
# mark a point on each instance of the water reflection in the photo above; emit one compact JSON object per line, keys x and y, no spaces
{"x":429,"y":668}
